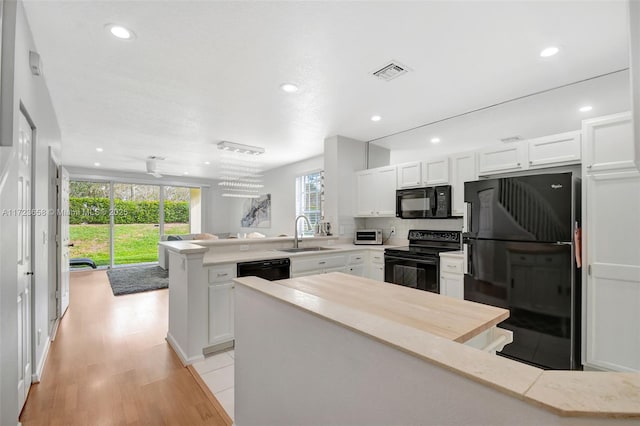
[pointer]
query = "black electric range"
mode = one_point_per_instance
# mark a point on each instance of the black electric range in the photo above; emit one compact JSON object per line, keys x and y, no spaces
{"x":418,"y":265}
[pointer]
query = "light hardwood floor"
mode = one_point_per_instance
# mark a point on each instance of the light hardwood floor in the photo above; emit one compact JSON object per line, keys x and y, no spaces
{"x":110,"y":365}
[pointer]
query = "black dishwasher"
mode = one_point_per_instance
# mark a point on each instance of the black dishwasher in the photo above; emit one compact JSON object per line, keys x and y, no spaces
{"x":271,"y":269}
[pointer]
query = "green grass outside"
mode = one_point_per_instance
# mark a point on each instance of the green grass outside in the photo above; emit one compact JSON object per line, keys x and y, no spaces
{"x":136,"y":243}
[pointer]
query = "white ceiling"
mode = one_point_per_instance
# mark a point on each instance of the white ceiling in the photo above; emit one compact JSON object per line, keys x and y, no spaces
{"x":204,"y":71}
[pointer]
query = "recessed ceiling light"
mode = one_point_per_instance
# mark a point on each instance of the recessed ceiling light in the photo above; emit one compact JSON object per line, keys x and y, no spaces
{"x":549,"y":51}
{"x":289,"y":87}
{"x":120,"y":32}
{"x":435,"y":140}
{"x":586,"y":108}
{"x":96,"y":164}
{"x":99,"y":149}
{"x":206,"y":163}
{"x":376,"y":118}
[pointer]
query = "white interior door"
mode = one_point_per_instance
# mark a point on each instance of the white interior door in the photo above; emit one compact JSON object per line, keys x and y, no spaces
{"x":25,"y":273}
{"x":63,"y":238}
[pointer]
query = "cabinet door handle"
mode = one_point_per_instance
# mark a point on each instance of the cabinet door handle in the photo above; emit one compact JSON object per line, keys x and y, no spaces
{"x":530,"y":162}
{"x":589,"y":166}
{"x":322,"y":263}
{"x":518,"y":164}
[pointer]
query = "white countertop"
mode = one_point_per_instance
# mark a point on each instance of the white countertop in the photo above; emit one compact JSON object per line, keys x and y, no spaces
{"x":235,"y":254}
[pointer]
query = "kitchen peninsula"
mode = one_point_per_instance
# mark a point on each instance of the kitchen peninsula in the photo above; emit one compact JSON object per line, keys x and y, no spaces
{"x":337,"y":349}
{"x":201,"y":273}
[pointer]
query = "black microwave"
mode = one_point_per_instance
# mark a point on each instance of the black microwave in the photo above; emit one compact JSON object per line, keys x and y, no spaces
{"x":424,"y":203}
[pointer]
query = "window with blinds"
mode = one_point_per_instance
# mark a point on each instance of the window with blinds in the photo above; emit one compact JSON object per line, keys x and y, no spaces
{"x":309,"y":199}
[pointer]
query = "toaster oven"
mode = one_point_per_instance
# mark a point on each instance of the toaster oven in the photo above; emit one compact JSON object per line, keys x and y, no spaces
{"x":368,"y":236}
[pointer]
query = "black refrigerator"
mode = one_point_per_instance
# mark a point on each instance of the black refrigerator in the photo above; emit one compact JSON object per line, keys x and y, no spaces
{"x":521,"y":257}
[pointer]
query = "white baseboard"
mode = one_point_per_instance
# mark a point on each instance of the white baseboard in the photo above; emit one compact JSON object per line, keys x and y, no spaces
{"x":37,"y":375}
{"x":54,"y":330}
{"x":178,"y":350}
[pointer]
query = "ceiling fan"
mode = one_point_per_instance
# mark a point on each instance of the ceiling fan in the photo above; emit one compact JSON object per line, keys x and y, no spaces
{"x":152,"y":165}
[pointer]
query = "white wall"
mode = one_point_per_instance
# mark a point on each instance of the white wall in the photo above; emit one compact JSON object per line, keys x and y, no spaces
{"x":20,"y":87}
{"x":634,"y":24}
{"x":342,"y":157}
{"x":281,"y":184}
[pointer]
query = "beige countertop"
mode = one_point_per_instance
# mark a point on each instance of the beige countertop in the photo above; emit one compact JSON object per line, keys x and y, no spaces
{"x":456,"y":254}
{"x":387,"y":313}
{"x":217,"y":252}
{"x":452,"y":319}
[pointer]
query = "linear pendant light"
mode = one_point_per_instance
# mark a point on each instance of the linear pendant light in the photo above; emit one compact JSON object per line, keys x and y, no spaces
{"x":241,"y":175}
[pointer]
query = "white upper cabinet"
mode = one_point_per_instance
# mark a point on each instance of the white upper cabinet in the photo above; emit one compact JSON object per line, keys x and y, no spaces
{"x":608,"y":143}
{"x":463,"y":169}
{"x":376,"y":192}
{"x":435,"y":171}
{"x":409,"y":175}
{"x":563,"y":148}
{"x":507,"y":157}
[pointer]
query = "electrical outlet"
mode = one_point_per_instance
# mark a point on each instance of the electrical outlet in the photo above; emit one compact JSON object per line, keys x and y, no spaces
{"x":393,"y":230}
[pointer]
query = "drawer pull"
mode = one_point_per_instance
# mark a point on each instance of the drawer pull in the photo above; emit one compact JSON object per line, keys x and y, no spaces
{"x":222,"y":275}
{"x":451,"y":266}
{"x":322,"y":263}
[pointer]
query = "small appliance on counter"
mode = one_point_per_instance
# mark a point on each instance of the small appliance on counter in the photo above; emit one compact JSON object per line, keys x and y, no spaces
{"x":323,"y":229}
{"x":368,"y":236}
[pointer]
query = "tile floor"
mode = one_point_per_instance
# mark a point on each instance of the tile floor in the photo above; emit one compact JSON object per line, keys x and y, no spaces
{"x":217,"y":372}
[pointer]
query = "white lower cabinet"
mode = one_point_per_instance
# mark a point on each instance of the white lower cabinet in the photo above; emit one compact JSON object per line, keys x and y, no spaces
{"x":451,"y":276}
{"x":221,"y":313}
{"x":356,"y":264}
{"x":221,"y":304}
{"x":376,"y":265}
{"x":317,"y":264}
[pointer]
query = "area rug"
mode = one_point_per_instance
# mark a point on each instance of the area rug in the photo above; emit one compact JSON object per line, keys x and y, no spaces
{"x":136,"y":279}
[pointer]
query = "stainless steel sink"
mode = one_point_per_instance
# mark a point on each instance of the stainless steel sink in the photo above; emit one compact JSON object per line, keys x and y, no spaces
{"x":303,"y":249}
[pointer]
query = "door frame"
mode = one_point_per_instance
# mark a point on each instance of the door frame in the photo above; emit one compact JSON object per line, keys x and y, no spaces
{"x":55,"y":210}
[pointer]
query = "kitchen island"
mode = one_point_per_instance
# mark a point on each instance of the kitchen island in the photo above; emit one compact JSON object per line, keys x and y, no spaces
{"x":201,"y":282}
{"x":337,"y":349}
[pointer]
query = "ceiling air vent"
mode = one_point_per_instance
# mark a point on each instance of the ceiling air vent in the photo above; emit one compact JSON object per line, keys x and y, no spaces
{"x":511,"y":139}
{"x":390,"y":71}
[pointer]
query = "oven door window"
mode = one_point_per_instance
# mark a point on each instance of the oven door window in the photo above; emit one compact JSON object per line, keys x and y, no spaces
{"x":422,"y":275}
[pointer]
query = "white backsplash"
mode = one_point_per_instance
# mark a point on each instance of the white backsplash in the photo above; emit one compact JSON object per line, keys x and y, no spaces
{"x":404,"y":225}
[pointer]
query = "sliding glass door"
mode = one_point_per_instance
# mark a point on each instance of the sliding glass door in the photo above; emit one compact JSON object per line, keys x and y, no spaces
{"x":136,"y":223}
{"x":117,"y":224}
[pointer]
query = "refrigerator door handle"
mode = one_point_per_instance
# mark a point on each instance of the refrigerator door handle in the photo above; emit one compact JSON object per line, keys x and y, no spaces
{"x":563,"y":243}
